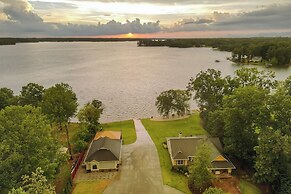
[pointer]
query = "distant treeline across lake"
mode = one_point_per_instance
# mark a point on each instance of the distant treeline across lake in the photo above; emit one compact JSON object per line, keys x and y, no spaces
{"x":266,"y":51}
{"x":13,"y":41}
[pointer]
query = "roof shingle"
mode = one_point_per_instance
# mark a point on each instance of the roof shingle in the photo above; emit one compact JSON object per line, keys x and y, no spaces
{"x":104,"y":149}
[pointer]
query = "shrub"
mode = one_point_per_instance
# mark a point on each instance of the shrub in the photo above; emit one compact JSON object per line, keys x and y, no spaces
{"x":213,"y":190}
{"x":180,"y":169}
{"x":80,"y":146}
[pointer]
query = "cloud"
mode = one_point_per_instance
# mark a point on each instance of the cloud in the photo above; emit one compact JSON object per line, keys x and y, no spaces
{"x":178,"y":2}
{"x":183,"y":2}
{"x":110,"y":28}
{"x":267,"y":18}
{"x":52,"y":5}
{"x":271,"y":17}
{"x":22,"y":21}
{"x":191,"y":24}
{"x":19,"y":19}
{"x":20,"y":11}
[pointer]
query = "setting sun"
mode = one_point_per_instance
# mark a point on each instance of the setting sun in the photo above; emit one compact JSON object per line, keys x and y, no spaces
{"x":130,"y":35}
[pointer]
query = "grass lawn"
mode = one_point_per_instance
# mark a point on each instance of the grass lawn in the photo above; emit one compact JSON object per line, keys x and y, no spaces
{"x":91,"y":187}
{"x":248,"y":188}
{"x":127,"y":127}
{"x":159,"y":131}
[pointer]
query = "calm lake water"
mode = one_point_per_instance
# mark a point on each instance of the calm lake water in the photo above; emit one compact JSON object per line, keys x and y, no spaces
{"x":126,"y":78}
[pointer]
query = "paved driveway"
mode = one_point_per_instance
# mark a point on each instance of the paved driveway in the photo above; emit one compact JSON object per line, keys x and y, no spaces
{"x":140,"y":172}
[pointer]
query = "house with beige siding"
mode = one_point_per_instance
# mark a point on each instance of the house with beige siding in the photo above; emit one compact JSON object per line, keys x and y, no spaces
{"x":182,"y":151}
{"x":104,"y":152}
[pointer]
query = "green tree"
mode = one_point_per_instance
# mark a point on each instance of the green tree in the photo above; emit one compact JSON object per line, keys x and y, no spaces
{"x":6,"y":98}
{"x":279,"y":105}
{"x":209,"y":87}
{"x":254,"y":77}
{"x":200,"y":177}
{"x":60,"y":104}
{"x":17,"y":191}
{"x":34,"y":184}
{"x":81,"y":137}
{"x":287,"y":85}
{"x":31,"y":94}
{"x":274,"y":61}
{"x":215,"y":124}
{"x":213,"y":190}
{"x":173,"y":101}
{"x":244,"y":112}
{"x":90,"y":115}
{"x":25,"y":144}
{"x":80,"y":146}
{"x":272,"y":153}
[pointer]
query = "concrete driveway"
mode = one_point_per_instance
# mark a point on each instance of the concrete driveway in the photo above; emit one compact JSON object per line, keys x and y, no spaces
{"x":140,"y":172}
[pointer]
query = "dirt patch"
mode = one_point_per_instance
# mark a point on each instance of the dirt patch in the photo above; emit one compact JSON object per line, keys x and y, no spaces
{"x":229,"y":185}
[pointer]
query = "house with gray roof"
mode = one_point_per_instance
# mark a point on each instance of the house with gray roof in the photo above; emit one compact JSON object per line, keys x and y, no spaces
{"x":104,"y":153}
{"x":182,"y":150}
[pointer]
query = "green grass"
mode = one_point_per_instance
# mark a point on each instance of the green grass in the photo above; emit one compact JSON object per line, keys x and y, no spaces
{"x":127,"y":127}
{"x":91,"y":187}
{"x":159,"y":131}
{"x":248,"y":188}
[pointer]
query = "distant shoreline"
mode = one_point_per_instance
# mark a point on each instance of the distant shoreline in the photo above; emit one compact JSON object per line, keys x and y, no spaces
{"x":14,"y":41}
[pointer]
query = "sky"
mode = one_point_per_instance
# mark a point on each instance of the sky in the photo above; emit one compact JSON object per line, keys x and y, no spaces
{"x":145,"y":18}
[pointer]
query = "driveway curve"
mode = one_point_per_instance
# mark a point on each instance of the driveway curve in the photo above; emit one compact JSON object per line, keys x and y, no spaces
{"x":140,"y":172}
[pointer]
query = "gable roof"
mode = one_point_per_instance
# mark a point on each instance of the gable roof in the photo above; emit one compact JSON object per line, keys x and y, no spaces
{"x":104,"y":149}
{"x":109,"y":134}
{"x":181,"y":148}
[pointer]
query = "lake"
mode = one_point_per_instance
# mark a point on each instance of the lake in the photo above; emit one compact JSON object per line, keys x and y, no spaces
{"x":126,"y":78}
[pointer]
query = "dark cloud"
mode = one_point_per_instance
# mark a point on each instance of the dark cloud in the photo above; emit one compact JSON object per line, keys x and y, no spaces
{"x":110,"y":28}
{"x":48,"y":29}
{"x":272,"y":17}
{"x":268,"y":18}
{"x":186,"y":25}
{"x":198,"y":21}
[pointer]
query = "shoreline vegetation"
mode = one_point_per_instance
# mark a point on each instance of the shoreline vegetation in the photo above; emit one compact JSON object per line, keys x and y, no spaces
{"x":256,"y":51}
{"x":14,"y":41}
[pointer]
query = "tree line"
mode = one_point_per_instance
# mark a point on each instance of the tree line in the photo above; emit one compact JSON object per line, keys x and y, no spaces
{"x":13,"y":41}
{"x":28,"y":121}
{"x":276,"y":51}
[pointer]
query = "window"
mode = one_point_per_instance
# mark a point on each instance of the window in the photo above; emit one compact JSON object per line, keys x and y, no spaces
{"x":94,"y":166}
{"x":180,"y":162}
